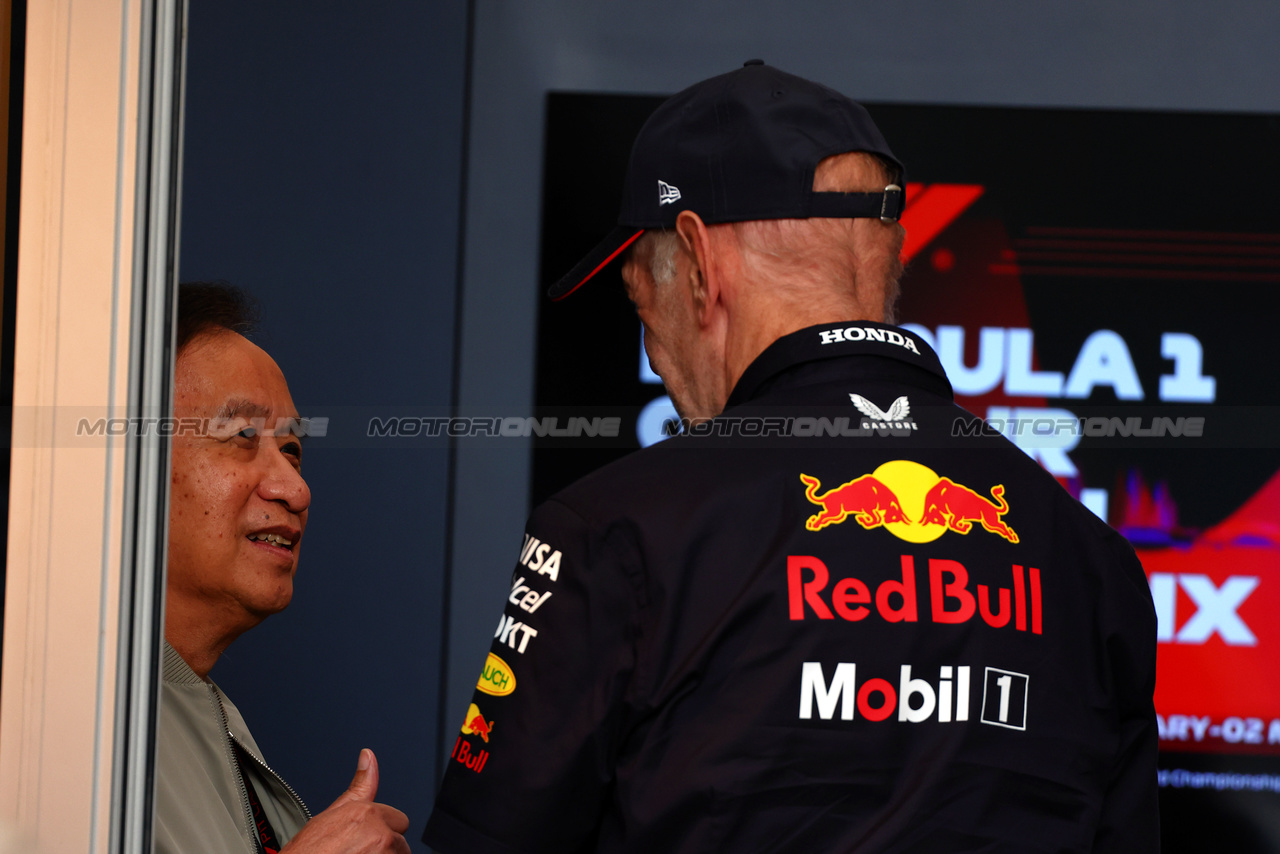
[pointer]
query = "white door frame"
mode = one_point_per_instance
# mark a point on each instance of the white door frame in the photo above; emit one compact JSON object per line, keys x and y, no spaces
{"x":88,"y":508}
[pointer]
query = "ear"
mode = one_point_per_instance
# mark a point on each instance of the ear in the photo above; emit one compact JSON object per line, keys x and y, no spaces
{"x":704,"y":276}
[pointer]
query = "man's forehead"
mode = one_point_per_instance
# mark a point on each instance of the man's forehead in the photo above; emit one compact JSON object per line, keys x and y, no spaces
{"x":241,"y":407}
{"x":225,"y":375}
{"x":224,"y":397}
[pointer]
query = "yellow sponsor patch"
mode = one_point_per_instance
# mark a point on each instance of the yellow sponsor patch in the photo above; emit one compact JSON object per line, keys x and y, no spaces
{"x":496,"y":678}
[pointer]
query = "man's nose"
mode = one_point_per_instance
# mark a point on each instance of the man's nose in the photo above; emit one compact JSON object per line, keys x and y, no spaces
{"x":284,"y":483}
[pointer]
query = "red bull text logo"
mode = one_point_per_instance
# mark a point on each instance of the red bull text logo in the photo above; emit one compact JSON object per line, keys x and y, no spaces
{"x":910,"y":501}
{"x":950,"y":599}
{"x":475,"y":760}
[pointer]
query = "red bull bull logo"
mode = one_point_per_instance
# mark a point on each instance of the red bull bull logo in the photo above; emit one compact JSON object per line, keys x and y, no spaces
{"x":869,"y":501}
{"x":958,"y":507}
{"x":475,"y":724}
{"x":910,"y":501}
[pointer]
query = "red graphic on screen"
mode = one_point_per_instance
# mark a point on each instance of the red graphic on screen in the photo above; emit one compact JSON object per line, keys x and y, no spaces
{"x":930,"y":209}
{"x":1215,"y":599}
{"x":1215,"y":591}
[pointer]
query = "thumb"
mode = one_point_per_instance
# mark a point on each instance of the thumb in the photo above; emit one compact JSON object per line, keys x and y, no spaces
{"x":364,"y":785}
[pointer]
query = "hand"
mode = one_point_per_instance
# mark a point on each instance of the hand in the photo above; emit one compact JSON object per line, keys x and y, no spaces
{"x":354,"y":824}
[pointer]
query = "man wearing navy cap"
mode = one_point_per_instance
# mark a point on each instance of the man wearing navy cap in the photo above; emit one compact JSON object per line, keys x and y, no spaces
{"x":833,"y":616}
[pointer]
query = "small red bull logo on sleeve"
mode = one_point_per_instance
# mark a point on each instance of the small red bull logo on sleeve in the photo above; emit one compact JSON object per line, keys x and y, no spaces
{"x":475,"y":724}
{"x":910,"y":501}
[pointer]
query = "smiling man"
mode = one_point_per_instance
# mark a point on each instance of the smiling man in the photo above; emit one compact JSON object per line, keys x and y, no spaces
{"x":237,"y":516}
{"x":811,"y":624}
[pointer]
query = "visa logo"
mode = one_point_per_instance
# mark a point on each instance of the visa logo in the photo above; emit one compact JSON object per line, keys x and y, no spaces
{"x":1216,"y":608}
{"x":533,"y":554}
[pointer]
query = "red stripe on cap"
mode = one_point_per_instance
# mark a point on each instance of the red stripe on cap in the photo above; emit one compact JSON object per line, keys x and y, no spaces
{"x":601,"y":265}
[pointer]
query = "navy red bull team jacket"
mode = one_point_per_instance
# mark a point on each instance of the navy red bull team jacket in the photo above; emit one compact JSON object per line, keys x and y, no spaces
{"x":838,"y":617}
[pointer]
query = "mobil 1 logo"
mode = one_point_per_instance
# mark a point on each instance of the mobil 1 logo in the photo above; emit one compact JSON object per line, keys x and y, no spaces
{"x":1004,"y":698}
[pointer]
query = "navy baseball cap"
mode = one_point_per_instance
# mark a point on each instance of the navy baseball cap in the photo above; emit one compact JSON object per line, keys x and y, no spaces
{"x":741,"y":146}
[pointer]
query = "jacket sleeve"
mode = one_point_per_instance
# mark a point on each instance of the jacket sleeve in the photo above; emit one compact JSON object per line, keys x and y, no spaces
{"x":1130,"y":818}
{"x":532,"y":765}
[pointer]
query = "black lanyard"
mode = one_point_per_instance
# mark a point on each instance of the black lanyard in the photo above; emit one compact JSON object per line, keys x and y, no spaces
{"x":268,"y":842}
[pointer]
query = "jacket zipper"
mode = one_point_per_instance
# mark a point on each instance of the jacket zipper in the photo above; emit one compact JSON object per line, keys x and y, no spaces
{"x":265,"y":767}
{"x":250,"y":827}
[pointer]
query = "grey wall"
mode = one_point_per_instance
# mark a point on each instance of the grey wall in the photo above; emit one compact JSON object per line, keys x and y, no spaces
{"x":322,"y":166}
{"x":1154,"y":54}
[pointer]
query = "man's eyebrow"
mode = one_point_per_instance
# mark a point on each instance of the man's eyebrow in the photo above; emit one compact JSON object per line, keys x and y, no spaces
{"x":236,"y":408}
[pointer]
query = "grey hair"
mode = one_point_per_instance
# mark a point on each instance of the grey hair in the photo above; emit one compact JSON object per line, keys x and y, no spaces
{"x":662,"y":260}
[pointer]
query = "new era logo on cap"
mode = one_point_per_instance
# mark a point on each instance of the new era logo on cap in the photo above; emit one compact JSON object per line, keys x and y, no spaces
{"x":667,"y":193}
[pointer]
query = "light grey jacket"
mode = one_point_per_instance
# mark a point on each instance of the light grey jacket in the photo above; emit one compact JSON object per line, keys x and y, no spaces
{"x":201,"y":803}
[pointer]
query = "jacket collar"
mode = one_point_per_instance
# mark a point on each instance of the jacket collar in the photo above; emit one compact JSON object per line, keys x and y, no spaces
{"x":177,"y":670}
{"x":832,"y":340}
